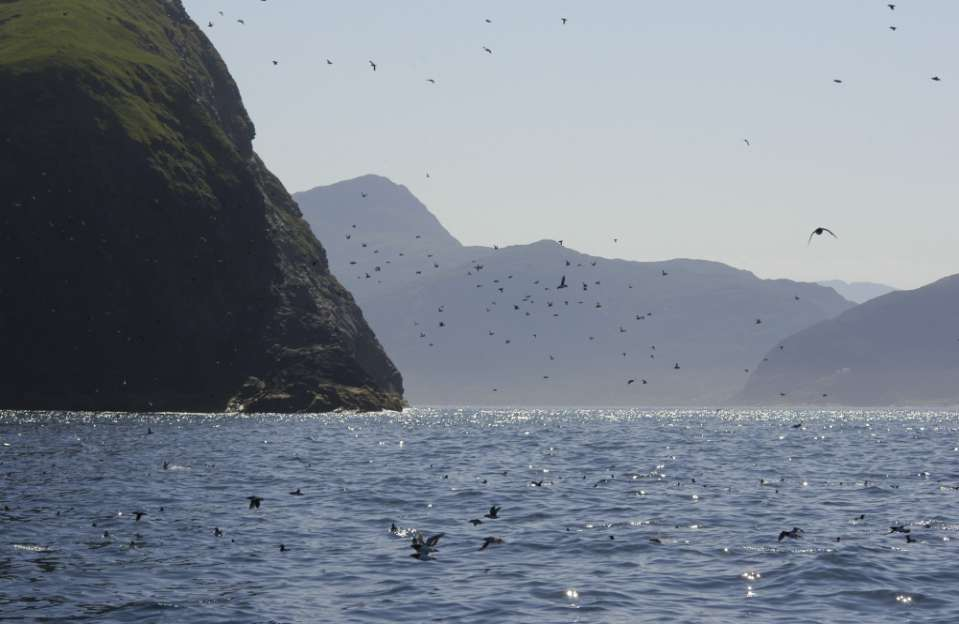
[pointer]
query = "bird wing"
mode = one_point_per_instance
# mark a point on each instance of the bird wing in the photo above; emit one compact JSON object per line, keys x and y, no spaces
{"x":434,"y":539}
{"x":831,"y":233}
{"x":810,"y":237}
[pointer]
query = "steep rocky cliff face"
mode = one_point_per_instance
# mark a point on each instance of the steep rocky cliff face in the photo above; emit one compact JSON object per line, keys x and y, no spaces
{"x":148,"y":259}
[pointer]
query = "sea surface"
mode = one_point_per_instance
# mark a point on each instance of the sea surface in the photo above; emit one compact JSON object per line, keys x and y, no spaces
{"x":642,"y":516}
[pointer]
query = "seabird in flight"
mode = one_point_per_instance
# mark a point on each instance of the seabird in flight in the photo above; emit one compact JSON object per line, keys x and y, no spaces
{"x":423,"y":547}
{"x":819,"y":232}
{"x":490,"y":541}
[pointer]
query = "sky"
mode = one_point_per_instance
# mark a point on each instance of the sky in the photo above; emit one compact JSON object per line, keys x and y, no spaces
{"x":627,"y":122}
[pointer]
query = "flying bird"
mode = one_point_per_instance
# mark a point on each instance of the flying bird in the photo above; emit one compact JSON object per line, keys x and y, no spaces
{"x":819,"y":232}
{"x":254,"y":501}
{"x":837,"y":80}
{"x":892,"y":7}
{"x":493,"y":513}
{"x":562,"y":283}
{"x":423,"y":547}
{"x":936,"y":79}
{"x":487,"y":50}
{"x":373,"y":65}
{"x":746,"y":141}
{"x":796,"y":533}
{"x":431,"y":81}
{"x":564,"y":20}
{"x":490,"y":541}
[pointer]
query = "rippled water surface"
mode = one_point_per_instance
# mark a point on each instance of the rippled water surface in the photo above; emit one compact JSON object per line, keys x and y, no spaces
{"x":641,"y":516}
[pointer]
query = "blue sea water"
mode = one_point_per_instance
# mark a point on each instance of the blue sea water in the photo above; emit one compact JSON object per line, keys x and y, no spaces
{"x":642,"y":516}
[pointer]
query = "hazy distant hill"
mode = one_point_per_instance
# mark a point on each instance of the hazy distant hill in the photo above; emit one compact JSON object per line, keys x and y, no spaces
{"x":400,"y":234}
{"x":899,"y":349}
{"x":701,"y":315}
{"x":858,"y":292}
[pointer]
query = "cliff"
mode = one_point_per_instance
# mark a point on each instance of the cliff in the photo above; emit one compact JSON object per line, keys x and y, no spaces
{"x":148,"y":259}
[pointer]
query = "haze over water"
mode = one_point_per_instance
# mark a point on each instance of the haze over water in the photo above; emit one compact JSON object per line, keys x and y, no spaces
{"x":718,"y":558}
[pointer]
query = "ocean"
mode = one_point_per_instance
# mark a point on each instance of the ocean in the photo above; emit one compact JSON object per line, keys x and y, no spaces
{"x":605,"y":516}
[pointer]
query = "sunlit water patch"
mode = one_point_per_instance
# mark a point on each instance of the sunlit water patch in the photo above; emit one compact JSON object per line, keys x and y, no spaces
{"x":603,"y":516}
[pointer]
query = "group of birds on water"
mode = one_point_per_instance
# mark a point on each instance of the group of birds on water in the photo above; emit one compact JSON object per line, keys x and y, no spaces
{"x":425,"y":545}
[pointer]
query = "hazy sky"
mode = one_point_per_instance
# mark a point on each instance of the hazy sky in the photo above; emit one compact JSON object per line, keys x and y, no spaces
{"x":627,"y":122}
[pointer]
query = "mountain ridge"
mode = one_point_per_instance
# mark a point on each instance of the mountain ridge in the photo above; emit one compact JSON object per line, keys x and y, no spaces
{"x":694,"y":315}
{"x":900,"y":349}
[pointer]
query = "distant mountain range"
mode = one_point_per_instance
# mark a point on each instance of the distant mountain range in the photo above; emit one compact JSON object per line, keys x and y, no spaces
{"x":899,"y":349}
{"x":486,"y":326}
{"x":858,"y":292}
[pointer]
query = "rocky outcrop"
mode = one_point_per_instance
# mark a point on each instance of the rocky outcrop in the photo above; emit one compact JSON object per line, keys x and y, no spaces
{"x":148,"y":259}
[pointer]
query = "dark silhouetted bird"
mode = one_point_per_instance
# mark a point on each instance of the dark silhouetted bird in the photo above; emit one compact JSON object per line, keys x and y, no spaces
{"x":254,"y":501}
{"x":493,"y":513}
{"x":796,"y":533}
{"x":491,"y":541}
{"x":819,"y":232}
{"x":424,"y":547}
{"x":373,"y":65}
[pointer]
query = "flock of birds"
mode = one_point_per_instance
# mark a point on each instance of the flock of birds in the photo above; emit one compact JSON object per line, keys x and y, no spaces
{"x":563,"y":20}
{"x":475,"y":267}
{"x":377,"y":268}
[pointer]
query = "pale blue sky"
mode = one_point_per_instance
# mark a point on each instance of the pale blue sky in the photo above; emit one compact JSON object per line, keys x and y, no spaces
{"x":628,"y":122}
